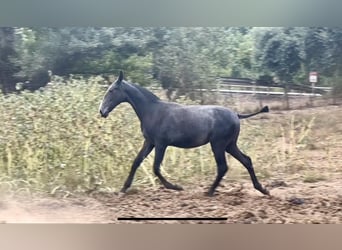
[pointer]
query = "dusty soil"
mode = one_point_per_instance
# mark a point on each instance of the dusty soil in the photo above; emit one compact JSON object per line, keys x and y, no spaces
{"x":291,"y":202}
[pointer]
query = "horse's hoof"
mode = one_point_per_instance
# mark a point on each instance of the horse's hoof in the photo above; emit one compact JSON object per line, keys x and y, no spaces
{"x":209,"y":194}
{"x":266,"y":192}
{"x":173,"y":187}
{"x":121,"y":194}
{"x":178,"y":188}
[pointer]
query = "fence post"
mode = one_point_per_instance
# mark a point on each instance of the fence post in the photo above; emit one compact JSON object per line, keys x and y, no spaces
{"x":286,"y":96}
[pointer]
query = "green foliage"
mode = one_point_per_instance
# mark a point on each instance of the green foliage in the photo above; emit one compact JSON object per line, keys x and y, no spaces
{"x":7,"y":53}
{"x":291,"y":53}
{"x":182,"y":58}
{"x":80,"y":51}
{"x":336,"y":83}
{"x":280,"y":50}
{"x":55,"y":141}
{"x":180,"y":64}
{"x":188,"y":58}
{"x":138,"y":69}
{"x":323,"y":49}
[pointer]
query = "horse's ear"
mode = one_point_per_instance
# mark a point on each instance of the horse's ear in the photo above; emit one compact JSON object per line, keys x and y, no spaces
{"x":120,"y":76}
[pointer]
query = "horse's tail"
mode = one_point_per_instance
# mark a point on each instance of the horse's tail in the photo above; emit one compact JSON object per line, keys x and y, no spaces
{"x":263,"y":110}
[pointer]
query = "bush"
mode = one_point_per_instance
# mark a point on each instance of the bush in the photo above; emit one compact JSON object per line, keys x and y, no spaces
{"x":53,"y":140}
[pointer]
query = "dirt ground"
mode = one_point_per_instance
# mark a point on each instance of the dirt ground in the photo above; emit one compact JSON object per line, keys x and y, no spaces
{"x":291,"y":202}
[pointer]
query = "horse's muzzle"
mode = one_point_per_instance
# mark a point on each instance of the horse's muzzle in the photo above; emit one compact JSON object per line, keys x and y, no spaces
{"x":104,"y":115}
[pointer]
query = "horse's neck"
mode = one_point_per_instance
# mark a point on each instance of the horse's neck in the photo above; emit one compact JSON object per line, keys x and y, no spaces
{"x":139,"y":102}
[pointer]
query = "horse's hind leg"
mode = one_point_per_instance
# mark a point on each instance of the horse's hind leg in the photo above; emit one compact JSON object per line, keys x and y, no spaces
{"x":144,"y":152}
{"x":222,"y":168}
{"x":159,"y":155}
{"x":247,"y":163}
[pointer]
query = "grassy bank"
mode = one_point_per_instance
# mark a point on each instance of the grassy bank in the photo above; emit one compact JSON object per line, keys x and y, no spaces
{"x":53,"y":141}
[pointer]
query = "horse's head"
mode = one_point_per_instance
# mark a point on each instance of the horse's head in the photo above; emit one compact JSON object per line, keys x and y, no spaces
{"x":113,"y":97}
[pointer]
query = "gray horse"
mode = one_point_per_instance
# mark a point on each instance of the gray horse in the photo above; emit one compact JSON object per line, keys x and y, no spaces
{"x":166,"y":124}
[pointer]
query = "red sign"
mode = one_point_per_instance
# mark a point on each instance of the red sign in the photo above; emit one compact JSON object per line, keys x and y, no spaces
{"x":313,"y":77}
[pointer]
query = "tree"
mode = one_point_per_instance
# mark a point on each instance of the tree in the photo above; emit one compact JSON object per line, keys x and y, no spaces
{"x":7,"y":53}
{"x":323,"y":49}
{"x":280,"y":51}
{"x":81,"y":50}
{"x":177,"y":58}
{"x":179,"y":63}
{"x":185,"y":59}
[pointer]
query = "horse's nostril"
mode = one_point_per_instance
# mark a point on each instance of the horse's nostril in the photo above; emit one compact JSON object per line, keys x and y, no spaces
{"x":103,"y":114}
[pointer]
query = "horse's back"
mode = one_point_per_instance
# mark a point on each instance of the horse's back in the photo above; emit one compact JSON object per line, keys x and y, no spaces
{"x":191,"y":125}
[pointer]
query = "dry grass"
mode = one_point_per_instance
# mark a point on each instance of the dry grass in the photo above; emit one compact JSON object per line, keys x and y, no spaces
{"x":54,"y":142}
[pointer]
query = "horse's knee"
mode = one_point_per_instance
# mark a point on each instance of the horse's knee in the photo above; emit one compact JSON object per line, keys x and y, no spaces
{"x":222,"y":169}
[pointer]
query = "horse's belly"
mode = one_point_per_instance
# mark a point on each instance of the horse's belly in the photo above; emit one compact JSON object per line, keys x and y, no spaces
{"x":188,"y":140}
{"x":188,"y":145}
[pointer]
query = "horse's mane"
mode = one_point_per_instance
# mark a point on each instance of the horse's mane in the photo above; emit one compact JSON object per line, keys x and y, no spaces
{"x":145,"y":92}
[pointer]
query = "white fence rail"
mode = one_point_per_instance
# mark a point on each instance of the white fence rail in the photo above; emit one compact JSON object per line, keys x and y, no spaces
{"x":228,"y":85}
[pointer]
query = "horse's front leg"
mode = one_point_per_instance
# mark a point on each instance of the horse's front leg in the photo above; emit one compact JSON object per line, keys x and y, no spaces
{"x":144,"y":152}
{"x":159,"y":155}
